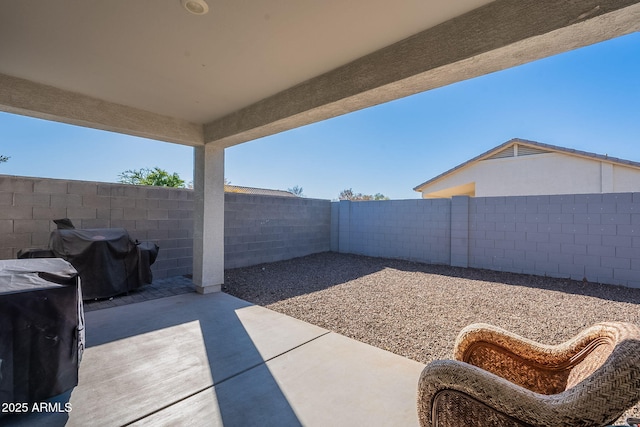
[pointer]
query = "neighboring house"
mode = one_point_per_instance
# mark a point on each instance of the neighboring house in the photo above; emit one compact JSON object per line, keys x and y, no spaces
{"x":258,"y":191}
{"x":522,"y":168}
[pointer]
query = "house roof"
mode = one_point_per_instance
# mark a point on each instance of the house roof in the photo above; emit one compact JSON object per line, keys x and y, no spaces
{"x":533,"y":146}
{"x":257,"y":191}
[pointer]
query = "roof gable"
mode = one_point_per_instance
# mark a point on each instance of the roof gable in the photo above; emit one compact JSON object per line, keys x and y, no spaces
{"x":520,"y":147}
{"x":517,"y":150}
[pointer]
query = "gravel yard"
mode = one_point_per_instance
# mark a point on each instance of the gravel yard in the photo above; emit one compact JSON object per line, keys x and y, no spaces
{"x":416,"y":310}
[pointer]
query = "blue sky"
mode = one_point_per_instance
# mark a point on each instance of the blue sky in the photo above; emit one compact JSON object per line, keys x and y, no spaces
{"x":587,"y":99}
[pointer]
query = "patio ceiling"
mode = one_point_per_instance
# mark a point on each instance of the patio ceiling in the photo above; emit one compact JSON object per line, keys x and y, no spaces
{"x":253,"y":68}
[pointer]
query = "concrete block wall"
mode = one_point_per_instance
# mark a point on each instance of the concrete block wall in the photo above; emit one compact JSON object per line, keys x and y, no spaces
{"x":459,"y":231}
{"x":28,"y":207}
{"x":418,"y":230}
{"x":591,"y":236}
{"x":261,"y":229}
{"x":335,"y":227}
{"x":257,"y":228}
{"x":584,"y":236}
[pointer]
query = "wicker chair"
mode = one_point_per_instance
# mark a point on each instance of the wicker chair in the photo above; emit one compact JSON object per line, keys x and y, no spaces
{"x":502,"y":379}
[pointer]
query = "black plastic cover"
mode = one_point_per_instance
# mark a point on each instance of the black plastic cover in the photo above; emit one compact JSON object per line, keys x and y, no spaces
{"x":108,"y":261}
{"x":41,"y":329}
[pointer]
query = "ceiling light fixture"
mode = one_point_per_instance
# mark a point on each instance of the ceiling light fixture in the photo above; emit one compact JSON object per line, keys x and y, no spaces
{"x":197,"y":7}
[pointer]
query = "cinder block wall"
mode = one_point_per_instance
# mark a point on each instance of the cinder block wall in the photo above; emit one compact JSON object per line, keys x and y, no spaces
{"x":257,"y":228}
{"x":585,"y":236}
{"x":417,"y":230}
{"x":161,"y":215}
{"x":262,"y":229}
{"x":593,"y":236}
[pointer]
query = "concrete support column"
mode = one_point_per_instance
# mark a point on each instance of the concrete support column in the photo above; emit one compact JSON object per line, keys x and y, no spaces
{"x":208,"y":227}
{"x":460,"y":231}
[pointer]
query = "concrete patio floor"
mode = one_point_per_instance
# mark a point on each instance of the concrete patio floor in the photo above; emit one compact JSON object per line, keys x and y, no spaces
{"x":216,"y":360}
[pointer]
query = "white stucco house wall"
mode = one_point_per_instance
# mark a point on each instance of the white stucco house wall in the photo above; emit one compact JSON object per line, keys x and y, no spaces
{"x":522,"y":168}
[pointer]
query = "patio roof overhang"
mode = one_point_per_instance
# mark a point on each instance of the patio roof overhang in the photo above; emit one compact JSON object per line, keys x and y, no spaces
{"x":247,"y":70}
{"x":250,"y":69}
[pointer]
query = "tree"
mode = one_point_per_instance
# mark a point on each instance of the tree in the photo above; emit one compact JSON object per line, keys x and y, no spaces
{"x":297,"y":190}
{"x":348,"y":194}
{"x":3,"y":158}
{"x":156,"y":176}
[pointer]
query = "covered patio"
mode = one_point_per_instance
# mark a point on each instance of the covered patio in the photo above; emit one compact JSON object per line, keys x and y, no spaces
{"x":217,"y":360}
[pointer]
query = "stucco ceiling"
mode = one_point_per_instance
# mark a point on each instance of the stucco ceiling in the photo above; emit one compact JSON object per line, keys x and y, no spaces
{"x":155,"y":56}
{"x":251,"y":68}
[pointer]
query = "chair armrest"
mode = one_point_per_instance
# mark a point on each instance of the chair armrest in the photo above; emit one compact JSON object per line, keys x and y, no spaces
{"x":508,"y":400}
{"x":491,"y":390}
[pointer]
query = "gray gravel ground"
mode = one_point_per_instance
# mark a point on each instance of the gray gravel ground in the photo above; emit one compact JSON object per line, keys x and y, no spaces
{"x":416,"y":310}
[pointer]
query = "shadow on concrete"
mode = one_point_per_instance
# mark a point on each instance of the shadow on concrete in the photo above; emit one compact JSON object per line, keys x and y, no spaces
{"x":269,"y":283}
{"x":244,"y":389}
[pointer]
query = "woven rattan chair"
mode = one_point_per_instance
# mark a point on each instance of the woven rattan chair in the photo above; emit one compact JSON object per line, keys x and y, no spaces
{"x":502,"y":379}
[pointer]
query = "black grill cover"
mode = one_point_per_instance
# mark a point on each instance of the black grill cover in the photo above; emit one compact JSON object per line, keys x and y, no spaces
{"x":41,"y":329}
{"x":108,"y":261}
